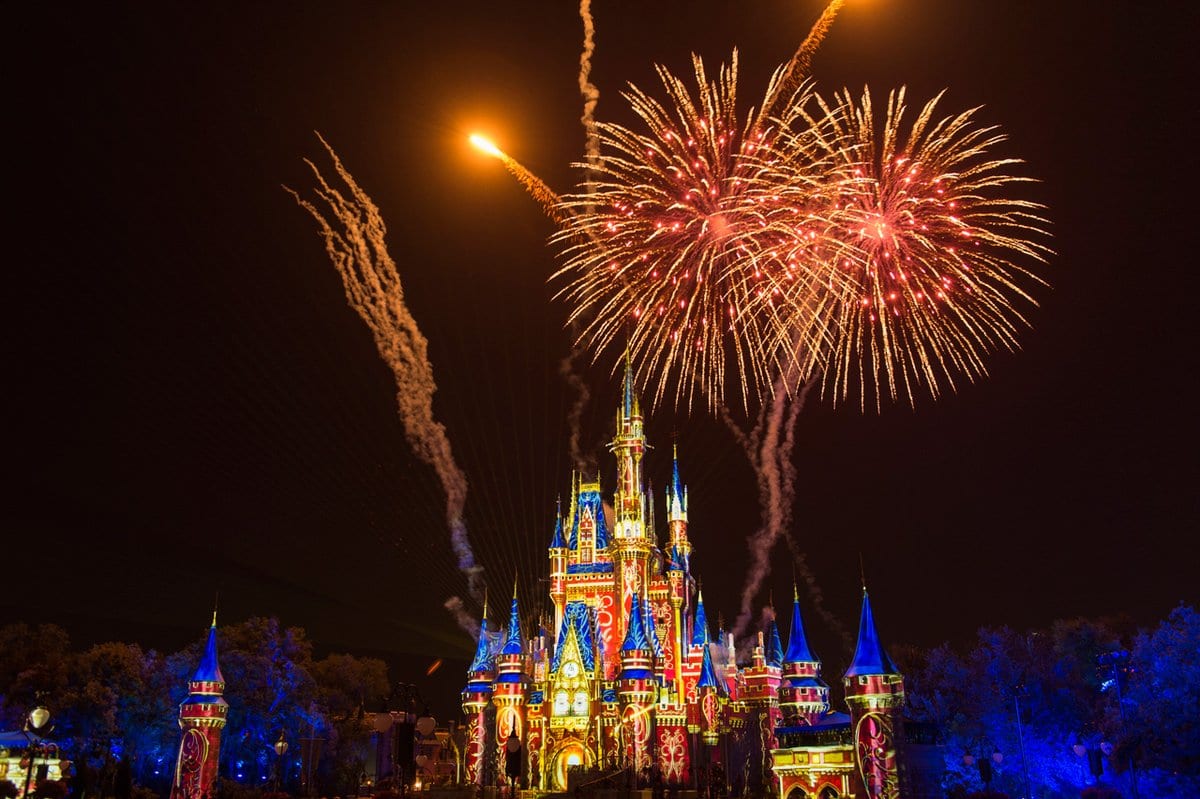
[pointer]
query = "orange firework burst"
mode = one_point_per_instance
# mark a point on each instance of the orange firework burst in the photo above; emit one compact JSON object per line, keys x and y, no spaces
{"x":682,"y":248}
{"x":930,"y":246}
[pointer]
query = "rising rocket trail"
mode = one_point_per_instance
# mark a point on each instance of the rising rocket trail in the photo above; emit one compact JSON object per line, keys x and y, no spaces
{"x":354,"y":234}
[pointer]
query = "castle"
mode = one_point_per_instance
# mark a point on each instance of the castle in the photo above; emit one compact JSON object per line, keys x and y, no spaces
{"x":632,"y":679}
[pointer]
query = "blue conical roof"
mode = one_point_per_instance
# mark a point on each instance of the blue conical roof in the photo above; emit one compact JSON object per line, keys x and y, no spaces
{"x":676,"y":493}
{"x":798,"y":651}
{"x":869,"y":657}
{"x":774,"y":653}
{"x":708,"y":675}
{"x":483,"y":653}
{"x":558,"y":542}
{"x":209,"y":670}
{"x":635,"y":635}
{"x":700,"y":627}
{"x":513,"y":643}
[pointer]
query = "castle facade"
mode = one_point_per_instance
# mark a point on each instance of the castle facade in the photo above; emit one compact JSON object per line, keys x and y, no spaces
{"x":631,"y":677}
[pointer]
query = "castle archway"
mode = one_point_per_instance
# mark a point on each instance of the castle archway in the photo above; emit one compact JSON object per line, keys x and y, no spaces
{"x":797,"y":793}
{"x":571,"y":753}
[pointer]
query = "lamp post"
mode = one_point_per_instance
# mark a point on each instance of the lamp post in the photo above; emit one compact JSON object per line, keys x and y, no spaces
{"x":984,"y":762}
{"x":35,"y":724}
{"x":281,"y":747}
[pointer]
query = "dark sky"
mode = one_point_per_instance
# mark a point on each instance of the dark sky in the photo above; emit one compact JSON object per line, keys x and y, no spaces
{"x":191,"y":405}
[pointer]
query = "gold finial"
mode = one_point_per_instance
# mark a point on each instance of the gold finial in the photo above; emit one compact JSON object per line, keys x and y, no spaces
{"x":216,"y":603}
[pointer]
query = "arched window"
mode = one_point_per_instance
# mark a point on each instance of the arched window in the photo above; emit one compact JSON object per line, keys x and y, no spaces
{"x":797,"y":793}
{"x":829,"y":793}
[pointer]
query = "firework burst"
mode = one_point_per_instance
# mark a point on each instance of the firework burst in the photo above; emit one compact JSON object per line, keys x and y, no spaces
{"x":930,"y":241}
{"x":683,"y":247}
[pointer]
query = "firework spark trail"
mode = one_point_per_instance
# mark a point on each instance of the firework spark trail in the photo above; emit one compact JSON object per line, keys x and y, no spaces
{"x":358,"y":250}
{"x":533,"y":185}
{"x":792,"y":74}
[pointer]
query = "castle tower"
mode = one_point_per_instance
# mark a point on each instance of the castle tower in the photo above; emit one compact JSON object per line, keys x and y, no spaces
{"x":636,"y":687}
{"x":476,"y":701}
{"x":875,"y":694}
{"x":679,"y":550}
{"x":803,"y":695}
{"x":677,"y":518}
{"x":631,"y":545}
{"x":708,"y":693}
{"x":511,"y":685}
{"x":201,"y":718}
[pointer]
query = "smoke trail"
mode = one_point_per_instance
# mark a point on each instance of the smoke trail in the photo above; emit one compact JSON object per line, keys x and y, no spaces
{"x":769,"y":446}
{"x":372,"y":284}
{"x":800,"y":564}
{"x":467,"y":622}
{"x":788,"y":79}
{"x":585,"y":462}
{"x":591,"y":95}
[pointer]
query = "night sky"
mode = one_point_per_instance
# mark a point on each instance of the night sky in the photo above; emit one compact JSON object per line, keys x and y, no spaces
{"x":191,"y":406}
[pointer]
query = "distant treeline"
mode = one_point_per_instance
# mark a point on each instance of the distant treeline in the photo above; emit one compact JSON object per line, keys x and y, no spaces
{"x":1098,"y":703}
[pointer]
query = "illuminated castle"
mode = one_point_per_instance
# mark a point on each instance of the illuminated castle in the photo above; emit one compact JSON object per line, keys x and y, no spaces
{"x":631,"y":678}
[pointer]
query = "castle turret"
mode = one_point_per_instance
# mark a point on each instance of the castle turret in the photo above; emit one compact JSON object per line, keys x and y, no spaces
{"x":511,"y":684}
{"x":761,"y":696}
{"x":709,"y":689}
{"x":476,"y":700}
{"x":636,"y":686}
{"x":875,"y":693}
{"x":202,"y":716}
{"x":803,"y":695}
{"x":677,"y":516}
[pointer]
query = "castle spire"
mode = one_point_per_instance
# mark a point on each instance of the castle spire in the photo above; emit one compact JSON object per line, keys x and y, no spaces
{"x":209,"y":669}
{"x":700,"y":626}
{"x":798,"y":650}
{"x":513,"y":643}
{"x":629,"y":401}
{"x":635,"y":635}
{"x":483,"y":654}
{"x":708,"y":674}
{"x":557,"y":542}
{"x":869,"y":655}
{"x":774,"y":648}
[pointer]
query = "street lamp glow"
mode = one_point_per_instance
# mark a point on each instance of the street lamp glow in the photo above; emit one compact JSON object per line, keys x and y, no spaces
{"x":486,"y":145}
